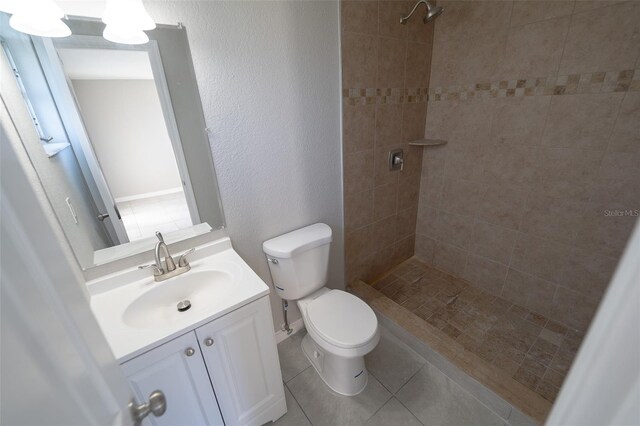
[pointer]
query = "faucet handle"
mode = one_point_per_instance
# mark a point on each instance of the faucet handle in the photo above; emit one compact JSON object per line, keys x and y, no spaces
{"x":183,"y":259}
{"x":160,"y":237}
{"x":156,"y":269}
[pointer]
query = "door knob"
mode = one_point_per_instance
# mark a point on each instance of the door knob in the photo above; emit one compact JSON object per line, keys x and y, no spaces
{"x":157,"y":406}
{"x":102,"y":216}
{"x":190,"y":352}
{"x":208,"y":341}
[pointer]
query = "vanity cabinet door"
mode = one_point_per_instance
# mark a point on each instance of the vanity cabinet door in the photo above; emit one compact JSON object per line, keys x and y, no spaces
{"x":240,"y":352}
{"x":177,"y":369}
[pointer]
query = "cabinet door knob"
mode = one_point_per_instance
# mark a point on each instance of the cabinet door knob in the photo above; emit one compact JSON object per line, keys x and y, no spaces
{"x":208,"y":341}
{"x":190,"y":351}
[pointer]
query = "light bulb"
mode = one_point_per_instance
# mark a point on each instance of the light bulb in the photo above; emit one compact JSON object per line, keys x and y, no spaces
{"x":124,"y":35}
{"x":39,"y":17}
{"x":128,"y":14}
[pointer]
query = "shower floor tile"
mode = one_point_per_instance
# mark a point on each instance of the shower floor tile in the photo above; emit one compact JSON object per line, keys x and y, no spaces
{"x":525,"y":345}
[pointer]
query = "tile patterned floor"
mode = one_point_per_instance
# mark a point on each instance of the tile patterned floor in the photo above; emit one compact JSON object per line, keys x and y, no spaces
{"x":534,"y":350}
{"x":403,"y":389}
{"x":165,"y":213}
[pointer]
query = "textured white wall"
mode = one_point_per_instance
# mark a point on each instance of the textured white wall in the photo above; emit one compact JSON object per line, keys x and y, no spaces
{"x":269,"y":78}
{"x":127,"y":130}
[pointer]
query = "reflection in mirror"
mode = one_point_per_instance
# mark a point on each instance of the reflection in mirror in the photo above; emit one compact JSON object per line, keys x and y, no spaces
{"x":122,"y":114}
{"x":133,"y":153}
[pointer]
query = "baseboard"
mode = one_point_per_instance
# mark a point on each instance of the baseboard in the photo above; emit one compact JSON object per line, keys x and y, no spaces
{"x":148,"y":195}
{"x":297,"y":325}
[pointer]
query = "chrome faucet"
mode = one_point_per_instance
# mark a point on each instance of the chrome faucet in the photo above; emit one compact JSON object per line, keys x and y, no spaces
{"x":170,"y":265}
{"x":163,"y":270}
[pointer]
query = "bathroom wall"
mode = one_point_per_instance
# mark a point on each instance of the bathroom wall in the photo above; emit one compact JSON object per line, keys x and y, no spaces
{"x":385,"y":75}
{"x":268,"y":74}
{"x":136,"y":158}
{"x":536,"y":193}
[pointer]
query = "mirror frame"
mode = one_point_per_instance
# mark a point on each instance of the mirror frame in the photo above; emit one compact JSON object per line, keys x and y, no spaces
{"x":174,"y":58}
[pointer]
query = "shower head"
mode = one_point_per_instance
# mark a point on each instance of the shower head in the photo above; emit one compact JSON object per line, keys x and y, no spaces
{"x":432,"y":12}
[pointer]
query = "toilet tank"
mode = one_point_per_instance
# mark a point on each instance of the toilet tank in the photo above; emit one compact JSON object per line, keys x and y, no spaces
{"x":299,"y":260}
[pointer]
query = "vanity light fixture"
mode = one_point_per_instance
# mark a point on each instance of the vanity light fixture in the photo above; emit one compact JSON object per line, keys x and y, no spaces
{"x":36,"y":17}
{"x":126,"y":22}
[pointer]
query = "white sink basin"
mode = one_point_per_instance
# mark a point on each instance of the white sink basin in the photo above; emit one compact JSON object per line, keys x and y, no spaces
{"x":157,"y":307}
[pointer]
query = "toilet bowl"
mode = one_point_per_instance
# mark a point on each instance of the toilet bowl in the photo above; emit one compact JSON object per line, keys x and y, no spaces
{"x":341,"y":328}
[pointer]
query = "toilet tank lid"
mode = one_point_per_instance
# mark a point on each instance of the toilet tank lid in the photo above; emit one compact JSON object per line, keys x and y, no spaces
{"x":297,"y":241}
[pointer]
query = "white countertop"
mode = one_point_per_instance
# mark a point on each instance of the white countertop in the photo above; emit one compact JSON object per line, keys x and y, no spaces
{"x":111,"y":296}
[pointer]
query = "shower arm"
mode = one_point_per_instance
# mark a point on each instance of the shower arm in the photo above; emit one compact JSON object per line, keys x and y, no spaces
{"x":404,"y":19}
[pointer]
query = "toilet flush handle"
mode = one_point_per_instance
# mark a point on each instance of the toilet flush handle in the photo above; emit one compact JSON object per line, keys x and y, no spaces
{"x":271,"y":260}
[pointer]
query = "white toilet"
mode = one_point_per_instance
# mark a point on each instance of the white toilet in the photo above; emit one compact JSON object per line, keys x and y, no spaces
{"x":341,"y":328}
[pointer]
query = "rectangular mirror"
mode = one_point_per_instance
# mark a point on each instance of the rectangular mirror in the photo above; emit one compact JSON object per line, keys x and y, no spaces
{"x":116,"y":135}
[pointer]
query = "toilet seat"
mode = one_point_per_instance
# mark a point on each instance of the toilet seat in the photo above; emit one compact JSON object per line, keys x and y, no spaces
{"x":342,"y":319}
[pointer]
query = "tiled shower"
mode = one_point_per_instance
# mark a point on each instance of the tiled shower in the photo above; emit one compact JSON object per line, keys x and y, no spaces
{"x":530,"y":203}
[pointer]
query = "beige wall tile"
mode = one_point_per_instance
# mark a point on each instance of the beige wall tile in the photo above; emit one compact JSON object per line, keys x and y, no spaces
{"x":359,"y":242}
{"x":438,"y":119}
{"x":465,"y":161}
{"x":384,"y":233}
{"x":460,"y":197}
{"x":418,"y":30}
{"x":552,"y":218}
{"x":433,"y":160}
{"x":513,"y":165}
{"x":519,"y":121}
{"x":358,"y":171}
{"x":588,"y":272}
{"x":566,"y":172}
{"x":449,"y":258}
{"x":358,"y":127}
{"x":493,"y":242}
{"x":406,"y":223}
{"x":586,"y":5}
{"x":425,"y":248}
{"x":388,"y":124}
{"x":602,"y":232}
{"x":603,"y":39}
{"x":418,"y":65}
{"x":358,"y":210}
{"x":621,"y":166}
{"x":413,"y":118}
{"x":573,"y":308}
{"x":454,"y":229}
{"x":501,"y":205}
{"x":473,"y":19}
{"x":581,"y":121}
{"x":626,"y":133}
{"x":485,"y":273}
{"x":542,"y":258}
{"x":359,"y":60}
{"x":534,"y":50}
{"x":391,"y":56}
{"x":427,"y":221}
{"x":389,"y":19}
{"x":385,"y":201}
{"x":408,"y":190}
{"x":529,"y":291}
{"x":359,"y":16}
{"x":431,"y":190}
{"x":525,"y":12}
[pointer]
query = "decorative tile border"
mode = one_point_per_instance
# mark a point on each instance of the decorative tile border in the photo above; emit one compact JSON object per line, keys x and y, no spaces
{"x":394,"y":95}
{"x":598,"y":82}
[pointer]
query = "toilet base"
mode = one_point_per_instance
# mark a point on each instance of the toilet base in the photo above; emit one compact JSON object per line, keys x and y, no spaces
{"x":346,"y":376}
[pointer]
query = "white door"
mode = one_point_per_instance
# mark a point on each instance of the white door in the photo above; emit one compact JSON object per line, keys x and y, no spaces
{"x":242,"y":359}
{"x":178,"y":369}
{"x":57,"y":367}
{"x":65,"y":98}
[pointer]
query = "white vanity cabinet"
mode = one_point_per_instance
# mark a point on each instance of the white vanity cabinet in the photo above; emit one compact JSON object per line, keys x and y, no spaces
{"x":236,"y":354}
{"x":177,"y":369}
